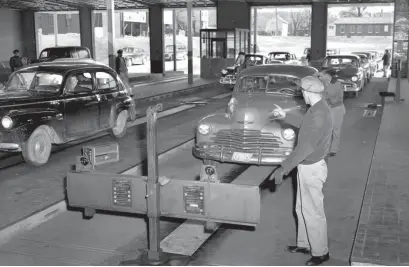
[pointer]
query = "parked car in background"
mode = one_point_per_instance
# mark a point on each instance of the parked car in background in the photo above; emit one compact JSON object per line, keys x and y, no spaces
{"x":134,"y":55}
{"x":348,"y":70}
{"x":284,"y":57}
{"x":52,"y":104}
{"x":330,"y":52}
{"x":66,"y":52}
{"x":378,"y":58}
{"x":229,"y":74}
{"x":248,"y":133}
{"x":365,"y":65}
{"x":181,"y":52}
{"x":373,"y":64}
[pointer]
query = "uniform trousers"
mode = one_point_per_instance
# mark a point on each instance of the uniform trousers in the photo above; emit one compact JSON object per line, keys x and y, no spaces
{"x":312,"y":223}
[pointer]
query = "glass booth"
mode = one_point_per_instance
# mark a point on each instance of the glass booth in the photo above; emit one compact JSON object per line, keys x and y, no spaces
{"x":219,"y":49}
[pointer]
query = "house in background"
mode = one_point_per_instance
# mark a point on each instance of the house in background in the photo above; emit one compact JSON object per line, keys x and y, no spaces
{"x":331,"y":30}
{"x":277,"y":26}
{"x":364,"y":26}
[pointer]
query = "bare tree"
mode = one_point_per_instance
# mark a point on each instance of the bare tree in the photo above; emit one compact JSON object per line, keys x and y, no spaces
{"x":357,"y":11}
{"x":300,"y":21}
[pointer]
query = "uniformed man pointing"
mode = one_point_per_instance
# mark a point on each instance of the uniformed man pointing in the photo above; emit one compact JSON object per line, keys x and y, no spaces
{"x":309,"y":156}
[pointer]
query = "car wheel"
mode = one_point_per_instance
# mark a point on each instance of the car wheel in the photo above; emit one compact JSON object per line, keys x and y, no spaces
{"x":119,"y":129}
{"x":37,"y":149}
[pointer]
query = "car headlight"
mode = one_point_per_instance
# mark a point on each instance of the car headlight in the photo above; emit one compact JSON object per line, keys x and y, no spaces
{"x":288,"y":134}
{"x":354,"y":79}
{"x":224,"y":71}
{"x":204,"y":129}
{"x":7,"y":122}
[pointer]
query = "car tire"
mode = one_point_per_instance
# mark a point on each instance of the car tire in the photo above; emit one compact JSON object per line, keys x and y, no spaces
{"x":119,"y":129}
{"x":37,"y":149}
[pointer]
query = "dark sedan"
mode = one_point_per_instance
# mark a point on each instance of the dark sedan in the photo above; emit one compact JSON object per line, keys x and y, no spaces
{"x":53,"y":103}
{"x":134,"y":55}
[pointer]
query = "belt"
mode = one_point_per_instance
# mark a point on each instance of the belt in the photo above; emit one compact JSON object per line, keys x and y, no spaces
{"x":336,"y":104}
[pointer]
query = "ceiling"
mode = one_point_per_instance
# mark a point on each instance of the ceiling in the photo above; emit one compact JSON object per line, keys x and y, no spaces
{"x":65,"y":5}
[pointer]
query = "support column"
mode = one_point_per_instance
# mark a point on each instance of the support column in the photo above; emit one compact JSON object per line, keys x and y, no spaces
{"x":28,"y":35}
{"x":255,"y":31}
{"x":318,"y":32}
{"x":189,"y":43}
{"x":233,"y":14}
{"x":174,"y":26}
{"x":87,"y":29}
{"x":55,"y":20}
{"x":156,"y":39}
{"x":111,"y":32}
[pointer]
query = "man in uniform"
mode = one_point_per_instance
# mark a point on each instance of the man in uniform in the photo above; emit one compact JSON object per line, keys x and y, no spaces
{"x":240,"y":62}
{"x":15,"y":61}
{"x":386,"y":62}
{"x":309,"y":156}
{"x":334,"y":94}
{"x":121,"y":68}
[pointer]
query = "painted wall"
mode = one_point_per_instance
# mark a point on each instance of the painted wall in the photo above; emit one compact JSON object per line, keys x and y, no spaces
{"x":234,"y":14}
{"x":10,"y":33}
{"x":364,"y":29}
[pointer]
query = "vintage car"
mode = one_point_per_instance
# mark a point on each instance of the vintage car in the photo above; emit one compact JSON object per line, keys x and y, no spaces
{"x":373,"y":65}
{"x":63,"y":52}
{"x":181,"y":52}
{"x":348,"y":70}
{"x":134,"y":55}
{"x":365,"y":65}
{"x":52,"y":104}
{"x":284,"y":57}
{"x":249,"y":132}
{"x":228,"y":75}
{"x":378,"y":58}
{"x":329,"y":52}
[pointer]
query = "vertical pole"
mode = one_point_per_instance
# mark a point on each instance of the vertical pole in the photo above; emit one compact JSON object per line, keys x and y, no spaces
{"x":189,"y":43}
{"x":276,"y":21}
{"x":55,"y":19}
{"x":255,"y":30}
{"x":398,"y":77}
{"x":153,"y":189}
{"x":111,"y":32}
{"x":174,"y":38}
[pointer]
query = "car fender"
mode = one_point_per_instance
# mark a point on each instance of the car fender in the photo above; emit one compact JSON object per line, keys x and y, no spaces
{"x":127,"y":104}
{"x":27,"y":120}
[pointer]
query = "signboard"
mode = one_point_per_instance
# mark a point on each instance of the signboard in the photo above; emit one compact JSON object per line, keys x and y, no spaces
{"x":136,"y":16}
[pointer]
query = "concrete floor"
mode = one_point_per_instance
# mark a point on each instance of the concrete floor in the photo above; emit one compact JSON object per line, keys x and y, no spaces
{"x":69,"y":240}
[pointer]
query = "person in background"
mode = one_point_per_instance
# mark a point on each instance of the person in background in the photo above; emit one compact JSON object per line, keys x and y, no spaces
{"x":334,"y":94}
{"x":121,"y":68}
{"x":240,"y":62}
{"x":386,"y":62}
{"x":309,"y":155}
{"x":15,"y":61}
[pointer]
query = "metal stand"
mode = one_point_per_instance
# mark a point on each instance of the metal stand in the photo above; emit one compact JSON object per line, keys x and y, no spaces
{"x":155,"y":255}
{"x":398,"y":77}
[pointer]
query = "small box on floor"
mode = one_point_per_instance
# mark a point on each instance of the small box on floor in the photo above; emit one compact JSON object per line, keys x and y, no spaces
{"x":101,"y":153}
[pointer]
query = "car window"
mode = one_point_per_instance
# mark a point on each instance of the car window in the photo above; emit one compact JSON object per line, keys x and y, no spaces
{"x":340,"y":62}
{"x":79,"y":83}
{"x":20,"y":81}
{"x":268,"y":84}
{"x":128,"y":50}
{"x":254,"y":60}
{"x":106,"y":81}
{"x":280,"y":56}
{"x":56,"y":53}
{"x":80,"y":53}
{"x":36,"y":82}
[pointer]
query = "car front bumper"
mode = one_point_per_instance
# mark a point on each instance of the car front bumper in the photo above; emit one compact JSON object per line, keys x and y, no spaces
{"x":351,"y":87}
{"x":228,"y":79}
{"x":10,"y":141}
{"x":223,"y":154}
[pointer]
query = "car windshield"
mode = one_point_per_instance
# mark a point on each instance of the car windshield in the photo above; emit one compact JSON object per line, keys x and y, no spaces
{"x":271,"y":83}
{"x":254,"y":60}
{"x":128,"y":50}
{"x":341,"y":62}
{"x":55,"y":52}
{"x":39,"y":82}
{"x":280,"y":56}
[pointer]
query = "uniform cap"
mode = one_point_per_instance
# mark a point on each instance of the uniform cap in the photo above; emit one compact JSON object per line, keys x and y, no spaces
{"x":312,"y":84}
{"x":119,"y":51}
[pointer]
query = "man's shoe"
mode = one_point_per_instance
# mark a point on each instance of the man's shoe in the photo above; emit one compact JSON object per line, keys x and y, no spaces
{"x":295,"y":249}
{"x":317,"y":260}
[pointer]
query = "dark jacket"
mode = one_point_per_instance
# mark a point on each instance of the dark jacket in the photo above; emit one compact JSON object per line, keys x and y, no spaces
{"x":120,"y":65}
{"x":15,"y":63}
{"x":334,"y":93}
{"x":386,"y":59}
{"x":314,"y":138}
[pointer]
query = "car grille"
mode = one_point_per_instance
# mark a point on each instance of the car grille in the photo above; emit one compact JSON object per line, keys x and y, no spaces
{"x":247,"y":140}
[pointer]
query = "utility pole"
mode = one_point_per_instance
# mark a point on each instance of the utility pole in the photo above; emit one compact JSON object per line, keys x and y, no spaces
{"x":276,"y":22}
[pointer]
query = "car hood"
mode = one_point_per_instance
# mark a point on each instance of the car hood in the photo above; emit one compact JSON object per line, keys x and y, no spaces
{"x":254,"y":111}
{"x":7,"y":99}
